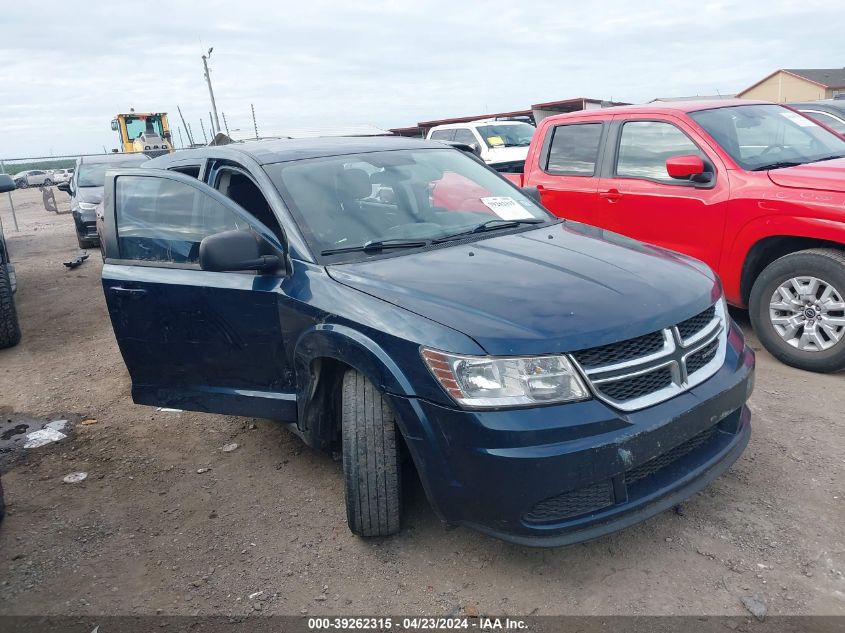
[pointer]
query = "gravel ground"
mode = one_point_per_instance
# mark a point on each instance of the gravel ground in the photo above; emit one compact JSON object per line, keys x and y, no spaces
{"x":168,"y":522}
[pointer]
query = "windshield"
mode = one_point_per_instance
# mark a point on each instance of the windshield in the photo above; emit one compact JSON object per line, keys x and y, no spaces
{"x":94,"y":174}
{"x":507,"y":135}
{"x":348,"y":202}
{"x":768,"y":136}
{"x":135,"y":126}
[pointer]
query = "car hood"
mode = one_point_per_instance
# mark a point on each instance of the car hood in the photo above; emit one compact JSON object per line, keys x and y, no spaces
{"x":828,"y":175}
{"x":496,"y":155}
{"x":93,"y":195}
{"x":554,"y":289}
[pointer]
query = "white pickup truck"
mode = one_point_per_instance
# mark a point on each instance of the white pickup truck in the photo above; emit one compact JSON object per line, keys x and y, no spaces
{"x":501,"y":144}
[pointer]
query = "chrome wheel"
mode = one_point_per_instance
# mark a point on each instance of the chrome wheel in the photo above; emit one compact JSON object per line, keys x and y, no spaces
{"x":808,"y":313}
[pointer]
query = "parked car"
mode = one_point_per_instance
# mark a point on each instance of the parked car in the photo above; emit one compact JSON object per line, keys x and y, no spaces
{"x":829,"y":112}
{"x":753,"y":189}
{"x":550,"y":381}
{"x":10,"y":332}
{"x":501,"y":144}
{"x":32,"y":178}
{"x":86,"y":191}
{"x":58,"y":176}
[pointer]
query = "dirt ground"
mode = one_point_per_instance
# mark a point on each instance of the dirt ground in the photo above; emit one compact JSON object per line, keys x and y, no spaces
{"x":263,"y":529}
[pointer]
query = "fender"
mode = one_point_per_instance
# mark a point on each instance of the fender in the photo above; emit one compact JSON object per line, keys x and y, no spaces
{"x":772,"y":226}
{"x":316,"y":382}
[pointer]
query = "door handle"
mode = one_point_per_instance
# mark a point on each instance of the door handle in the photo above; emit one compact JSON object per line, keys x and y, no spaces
{"x":612,"y":195}
{"x":130,"y":292}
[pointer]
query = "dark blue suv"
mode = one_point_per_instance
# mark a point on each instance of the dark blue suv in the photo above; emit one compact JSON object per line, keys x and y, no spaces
{"x":550,"y":381}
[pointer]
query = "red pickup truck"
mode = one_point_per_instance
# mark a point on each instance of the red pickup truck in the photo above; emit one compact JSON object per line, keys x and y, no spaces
{"x":755,"y":190}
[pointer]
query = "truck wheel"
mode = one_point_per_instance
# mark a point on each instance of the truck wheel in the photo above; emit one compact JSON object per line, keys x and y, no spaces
{"x":10,"y":332}
{"x":48,"y":183}
{"x":797,"y":308}
{"x":370,"y":459}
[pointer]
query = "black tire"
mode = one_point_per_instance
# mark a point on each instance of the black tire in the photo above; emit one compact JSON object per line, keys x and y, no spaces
{"x":371,"y":467}
{"x":23,"y":184}
{"x":10,"y":331}
{"x":48,"y":182}
{"x":827,"y":264}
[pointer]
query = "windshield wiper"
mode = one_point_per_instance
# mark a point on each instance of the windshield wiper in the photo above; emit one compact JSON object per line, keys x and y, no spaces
{"x":377,"y":245}
{"x":777,"y":165}
{"x":490,"y":225}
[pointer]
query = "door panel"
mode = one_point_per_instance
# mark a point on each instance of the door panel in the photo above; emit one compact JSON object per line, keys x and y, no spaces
{"x":567,"y":176}
{"x":640,"y":200}
{"x":192,"y":339}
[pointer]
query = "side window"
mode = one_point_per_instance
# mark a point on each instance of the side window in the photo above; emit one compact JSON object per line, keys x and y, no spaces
{"x":827,"y":119}
{"x":162,"y":220}
{"x":189,"y":170}
{"x":574,"y":149}
{"x":644,"y":147}
{"x":442,"y":135}
{"x":464,"y":135}
{"x":241,"y":190}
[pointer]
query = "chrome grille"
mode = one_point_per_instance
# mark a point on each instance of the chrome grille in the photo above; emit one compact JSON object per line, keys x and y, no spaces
{"x":689,"y":328}
{"x":639,"y":372}
{"x":618,"y":352}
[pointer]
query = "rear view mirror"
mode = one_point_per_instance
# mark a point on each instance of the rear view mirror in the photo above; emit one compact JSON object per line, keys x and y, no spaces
{"x":688,"y":167}
{"x":6,"y":183}
{"x":235,"y":250}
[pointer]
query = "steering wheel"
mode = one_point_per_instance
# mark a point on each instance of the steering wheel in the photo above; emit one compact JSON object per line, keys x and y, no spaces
{"x":777,"y":146}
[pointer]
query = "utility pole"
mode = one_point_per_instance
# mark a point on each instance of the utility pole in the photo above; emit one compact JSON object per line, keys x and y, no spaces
{"x":187,"y":127}
{"x":205,"y":59}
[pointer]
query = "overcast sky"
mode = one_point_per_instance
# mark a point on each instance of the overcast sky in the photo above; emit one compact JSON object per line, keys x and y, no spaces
{"x":67,"y":69}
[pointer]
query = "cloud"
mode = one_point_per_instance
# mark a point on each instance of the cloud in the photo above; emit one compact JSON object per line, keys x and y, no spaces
{"x":387,"y":63}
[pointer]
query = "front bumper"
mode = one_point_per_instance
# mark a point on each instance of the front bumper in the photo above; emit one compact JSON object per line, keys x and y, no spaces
{"x":86,"y":224}
{"x":562,"y":474}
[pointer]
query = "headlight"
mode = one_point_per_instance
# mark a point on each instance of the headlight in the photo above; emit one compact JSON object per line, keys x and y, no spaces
{"x":87,"y":206}
{"x":490,"y":381}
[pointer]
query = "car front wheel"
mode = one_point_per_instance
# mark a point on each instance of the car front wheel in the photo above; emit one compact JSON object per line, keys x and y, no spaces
{"x":797,"y":308}
{"x":371,"y":466}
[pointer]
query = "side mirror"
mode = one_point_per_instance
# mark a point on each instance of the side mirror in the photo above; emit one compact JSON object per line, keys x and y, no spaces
{"x":687,"y":167}
{"x":6,"y":183}
{"x":114,"y":126}
{"x":476,"y":148}
{"x":64,"y":186}
{"x":235,"y":250}
{"x":533,"y":193}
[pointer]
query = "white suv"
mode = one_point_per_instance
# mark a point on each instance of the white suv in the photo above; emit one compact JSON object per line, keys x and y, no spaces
{"x":500,"y":144}
{"x":59,"y":175}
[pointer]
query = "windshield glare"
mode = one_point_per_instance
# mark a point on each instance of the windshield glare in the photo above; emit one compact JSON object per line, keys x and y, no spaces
{"x":757,"y":136}
{"x":426,"y":194}
{"x":94,"y":174}
{"x":507,"y":135}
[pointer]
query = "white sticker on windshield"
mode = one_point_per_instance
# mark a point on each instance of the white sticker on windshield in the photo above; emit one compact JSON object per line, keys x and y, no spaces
{"x":797,"y":119}
{"x":506,"y":208}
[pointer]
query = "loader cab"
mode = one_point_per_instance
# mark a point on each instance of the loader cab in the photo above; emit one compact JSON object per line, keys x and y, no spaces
{"x":146,"y":133}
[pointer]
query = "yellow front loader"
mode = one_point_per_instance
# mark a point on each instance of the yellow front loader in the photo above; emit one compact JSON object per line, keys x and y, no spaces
{"x":146,"y":132}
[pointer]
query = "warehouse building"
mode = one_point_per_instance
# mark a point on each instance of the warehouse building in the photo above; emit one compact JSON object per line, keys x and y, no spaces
{"x":789,"y":85}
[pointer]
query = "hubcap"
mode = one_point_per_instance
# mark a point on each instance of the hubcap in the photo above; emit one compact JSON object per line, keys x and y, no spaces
{"x":808,"y":313}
